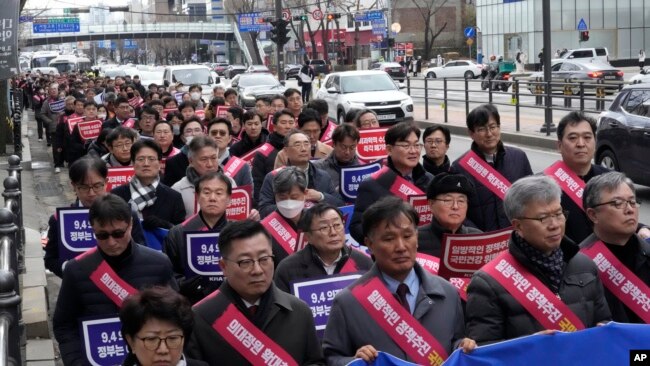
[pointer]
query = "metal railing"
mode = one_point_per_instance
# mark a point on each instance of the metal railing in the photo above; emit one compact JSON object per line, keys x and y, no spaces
{"x":11,"y":325}
{"x":540,"y":94}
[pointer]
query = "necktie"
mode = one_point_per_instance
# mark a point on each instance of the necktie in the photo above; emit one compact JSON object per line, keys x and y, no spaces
{"x":252,"y":310}
{"x":401,"y":292}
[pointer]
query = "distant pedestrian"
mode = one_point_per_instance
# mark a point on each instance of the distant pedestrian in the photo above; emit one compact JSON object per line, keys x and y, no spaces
{"x":641,"y":59}
{"x":541,"y":60}
{"x":306,"y":77}
{"x":418,"y":66}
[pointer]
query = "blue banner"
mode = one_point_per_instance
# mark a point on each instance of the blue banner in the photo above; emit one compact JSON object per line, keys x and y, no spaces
{"x":58,"y":106}
{"x":606,"y":345}
{"x":319,"y":295}
{"x":383,"y":359}
{"x":155,"y":238}
{"x":103,"y":342}
{"x":203,"y":255}
{"x":352,"y":176}
{"x":75,"y":233}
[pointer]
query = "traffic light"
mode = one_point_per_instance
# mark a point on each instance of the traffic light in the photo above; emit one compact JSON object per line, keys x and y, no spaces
{"x":584,"y":36}
{"x":299,"y":18}
{"x":332,"y":16}
{"x":279,"y":32}
{"x":391,"y":42}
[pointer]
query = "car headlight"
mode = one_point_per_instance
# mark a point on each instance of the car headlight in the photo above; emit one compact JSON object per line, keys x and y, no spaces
{"x":356,"y":104}
{"x":409,"y":107}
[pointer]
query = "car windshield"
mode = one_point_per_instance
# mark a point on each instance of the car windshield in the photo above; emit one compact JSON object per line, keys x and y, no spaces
{"x":366,"y":83}
{"x":114,"y":72}
{"x":262,"y":79}
{"x":191,"y":76}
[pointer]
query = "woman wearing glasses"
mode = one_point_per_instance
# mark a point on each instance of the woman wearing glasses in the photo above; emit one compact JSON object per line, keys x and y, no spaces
{"x":155,"y":323}
{"x":88,"y":179}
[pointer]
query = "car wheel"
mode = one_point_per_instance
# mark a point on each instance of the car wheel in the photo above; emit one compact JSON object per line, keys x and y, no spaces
{"x":607,"y":159}
{"x":340,"y":117}
{"x":431,"y":75}
{"x":468,"y":75}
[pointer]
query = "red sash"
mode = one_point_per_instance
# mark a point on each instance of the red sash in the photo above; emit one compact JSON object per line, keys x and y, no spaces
{"x":532,"y":294}
{"x":233,"y":166}
{"x":401,"y":187}
{"x":248,"y":340}
{"x":399,"y":324}
{"x":329,"y":130}
{"x":265,"y":150}
{"x":108,"y":282}
{"x":620,"y":280}
{"x":72,"y":121}
{"x":569,"y":181}
{"x":281,"y":231}
{"x":485,"y":174}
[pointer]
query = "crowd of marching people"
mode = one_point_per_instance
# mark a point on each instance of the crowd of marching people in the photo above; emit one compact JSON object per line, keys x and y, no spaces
{"x":188,"y":160}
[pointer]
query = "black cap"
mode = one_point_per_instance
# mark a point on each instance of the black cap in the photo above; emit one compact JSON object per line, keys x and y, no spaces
{"x":449,"y":183}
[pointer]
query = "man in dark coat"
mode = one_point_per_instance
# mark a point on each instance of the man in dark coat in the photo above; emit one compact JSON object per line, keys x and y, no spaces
{"x":537,"y":244}
{"x":345,"y":138}
{"x":325,"y":254}
{"x":436,"y":144}
{"x":390,"y":233}
{"x":176,"y":166}
{"x":611,"y":204}
{"x":319,"y":184}
{"x":253,"y":135}
{"x":122,"y":113}
{"x":486,"y":208}
{"x":122,"y":258}
{"x":249,"y":298}
{"x":403,"y":147}
{"x":447,"y":195}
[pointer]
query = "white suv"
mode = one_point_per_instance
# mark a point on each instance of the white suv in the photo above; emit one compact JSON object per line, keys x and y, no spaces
{"x":588,"y":54}
{"x":192,"y":74}
{"x":370,"y":89}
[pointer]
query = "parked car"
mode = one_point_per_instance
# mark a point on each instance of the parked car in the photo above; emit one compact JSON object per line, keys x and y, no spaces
{"x":455,"y":69}
{"x":320,"y":67}
{"x":233,"y":70}
{"x":365,"y":89}
{"x":587,"y":72}
{"x":249,"y":86}
{"x":220,"y":67}
{"x":395,"y":70}
{"x":588,"y":54}
{"x":642,"y":77}
{"x":623,"y":135}
{"x":258,"y":68}
{"x":291,"y":71}
{"x":190,"y":75}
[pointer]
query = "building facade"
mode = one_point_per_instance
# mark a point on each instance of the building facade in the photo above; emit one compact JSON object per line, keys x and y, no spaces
{"x":507,"y":26}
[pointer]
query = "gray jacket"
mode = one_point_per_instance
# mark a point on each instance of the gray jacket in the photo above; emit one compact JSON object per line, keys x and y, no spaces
{"x":333,"y":168}
{"x":437,"y":308}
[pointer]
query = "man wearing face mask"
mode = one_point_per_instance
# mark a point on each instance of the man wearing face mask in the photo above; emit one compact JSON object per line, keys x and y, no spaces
{"x":289,"y":189}
{"x":176,"y":166}
{"x":195,"y":95}
{"x":319,"y":184}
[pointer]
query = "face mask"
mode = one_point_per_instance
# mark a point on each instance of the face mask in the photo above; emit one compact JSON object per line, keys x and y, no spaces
{"x":195,"y":96}
{"x":176,"y":129}
{"x":130,"y":95}
{"x":290,"y":208}
{"x":101,"y":116}
{"x":188,"y":139}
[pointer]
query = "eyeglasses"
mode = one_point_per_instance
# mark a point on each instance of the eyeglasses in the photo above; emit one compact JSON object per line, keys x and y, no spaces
{"x":248,"y":264}
{"x":432,"y":142}
{"x":408,"y":147}
{"x":221,"y":133}
{"x":117,"y":234}
{"x":124,"y":146}
{"x":325,"y":229}
{"x":448,"y":202}
{"x":545,"y":220}
{"x":484,"y":130}
{"x":97,"y":187}
{"x":152,"y":343}
{"x":150,"y":159}
{"x":346,"y":147}
{"x":620,"y":203}
{"x":298,"y":145}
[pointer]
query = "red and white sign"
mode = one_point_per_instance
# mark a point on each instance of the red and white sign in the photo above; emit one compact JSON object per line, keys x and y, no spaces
{"x":421,"y":205}
{"x":73,"y":122}
{"x":464,"y":254}
{"x":167,"y":111}
{"x":317,"y":14}
{"x":372,"y":145}
{"x":89,"y":130}
{"x":136,"y":102}
{"x":200,"y":113}
{"x":221,"y":111}
{"x":240,"y":203}
{"x":129,"y":123}
{"x":118,"y":176}
{"x":286,"y":14}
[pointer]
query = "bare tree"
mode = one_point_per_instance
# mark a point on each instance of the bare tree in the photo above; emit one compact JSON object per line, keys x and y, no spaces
{"x":352,"y":7}
{"x":427,"y":10}
{"x":247,"y":6}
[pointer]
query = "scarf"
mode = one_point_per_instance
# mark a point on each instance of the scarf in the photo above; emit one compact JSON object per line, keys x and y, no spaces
{"x":143,"y":196}
{"x":192,"y":175}
{"x":113,"y":162}
{"x":551,"y":265}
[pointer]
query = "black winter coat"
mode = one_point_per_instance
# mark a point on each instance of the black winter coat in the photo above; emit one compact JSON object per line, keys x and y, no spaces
{"x":430,"y":166}
{"x":262,"y":165}
{"x":430,"y":237}
{"x":578,"y":226}
{"x":493,"y":315}
{"x":246,"y":144}
{"x":485,"y":209}
{"x":176,"y":168}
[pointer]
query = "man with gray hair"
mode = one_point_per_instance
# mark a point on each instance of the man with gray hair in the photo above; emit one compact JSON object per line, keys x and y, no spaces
{"x":610,"y":203}
{"x":541,"y":266}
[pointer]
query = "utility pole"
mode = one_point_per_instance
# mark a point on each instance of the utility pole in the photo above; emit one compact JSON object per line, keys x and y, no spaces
{"x":279,"y":47}
{"x":549,"y":126}
{"x":389,"y":31}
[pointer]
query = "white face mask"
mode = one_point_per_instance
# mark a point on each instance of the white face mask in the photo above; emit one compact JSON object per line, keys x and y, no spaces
{"x":176,"y":129}
{"x":188,"y":139}
{"x":195,"y":96}
{"x":290,"y":208}
{"x":101,"y":116}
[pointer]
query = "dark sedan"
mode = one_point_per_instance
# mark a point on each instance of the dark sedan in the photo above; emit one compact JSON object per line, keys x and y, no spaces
{"x":588,"y":73}
{"x":395,"y":70}
{"x":252,"y":85}
{"x":234,"y":70}
{"x":623,"y":135}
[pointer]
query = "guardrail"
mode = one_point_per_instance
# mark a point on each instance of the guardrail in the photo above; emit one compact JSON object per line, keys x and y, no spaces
{"x":11,"y":325}
{"x":542,"y":91}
